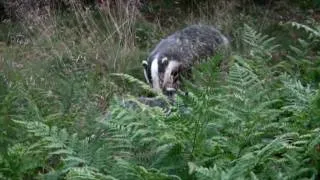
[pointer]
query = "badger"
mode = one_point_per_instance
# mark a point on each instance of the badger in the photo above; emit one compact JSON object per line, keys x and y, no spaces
{"x":178,"y":52}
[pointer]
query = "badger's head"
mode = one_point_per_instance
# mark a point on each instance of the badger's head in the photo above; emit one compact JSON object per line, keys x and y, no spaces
{"x":162,"y":73}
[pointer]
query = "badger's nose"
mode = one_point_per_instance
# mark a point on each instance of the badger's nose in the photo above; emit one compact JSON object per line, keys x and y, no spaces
{"x":170,"y":91}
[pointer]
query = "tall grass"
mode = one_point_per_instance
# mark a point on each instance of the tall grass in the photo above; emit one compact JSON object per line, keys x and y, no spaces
{"x":100,"y":41}
{"x":64,"y":65}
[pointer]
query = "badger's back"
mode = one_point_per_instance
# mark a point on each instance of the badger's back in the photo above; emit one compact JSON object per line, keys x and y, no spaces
{"x":190,"y":44}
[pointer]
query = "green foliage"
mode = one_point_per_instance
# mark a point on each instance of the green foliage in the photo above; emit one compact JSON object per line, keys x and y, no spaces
{"x":308,"y":3}
{"x":260,"y":45}
{"x":61,"y":117}
{"x":305,"y":55}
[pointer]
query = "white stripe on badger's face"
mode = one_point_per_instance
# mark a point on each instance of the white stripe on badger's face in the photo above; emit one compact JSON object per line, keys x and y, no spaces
{"x":146,"y":76}
{"x":169,"y":79}
{"x":145,"y":66}
{"x":155,"y":74}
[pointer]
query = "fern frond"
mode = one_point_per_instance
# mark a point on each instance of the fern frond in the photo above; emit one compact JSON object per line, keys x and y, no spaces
{"x":299,"y":96}
{"x":260,"y":45}
{"x":87,"y":173}
{"x":134,"y":80}
{"x":313,"y":33}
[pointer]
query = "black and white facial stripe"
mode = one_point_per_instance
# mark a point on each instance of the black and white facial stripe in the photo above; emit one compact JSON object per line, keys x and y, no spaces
{"x":161,"y":72}
{"x":146,"y":71}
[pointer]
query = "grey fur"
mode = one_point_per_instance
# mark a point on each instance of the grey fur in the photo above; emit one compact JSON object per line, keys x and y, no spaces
{"x":187,"y":46}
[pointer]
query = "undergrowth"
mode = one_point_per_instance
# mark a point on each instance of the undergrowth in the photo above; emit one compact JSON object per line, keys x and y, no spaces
{"x":63,"y":116}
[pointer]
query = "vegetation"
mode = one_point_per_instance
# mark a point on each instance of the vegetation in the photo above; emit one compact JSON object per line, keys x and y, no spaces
{"x":252,"y":115}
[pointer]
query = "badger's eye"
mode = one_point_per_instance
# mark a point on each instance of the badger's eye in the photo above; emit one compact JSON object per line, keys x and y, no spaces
{"x":174,"y":74}
{"x":164,"y":61}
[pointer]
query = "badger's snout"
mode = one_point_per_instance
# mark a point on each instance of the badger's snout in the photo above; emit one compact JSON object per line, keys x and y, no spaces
{"x":169,"y":91}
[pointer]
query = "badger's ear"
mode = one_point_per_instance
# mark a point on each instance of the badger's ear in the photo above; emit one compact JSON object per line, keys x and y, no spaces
{"x":164,"y":60}
{"x":145,"y":64}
